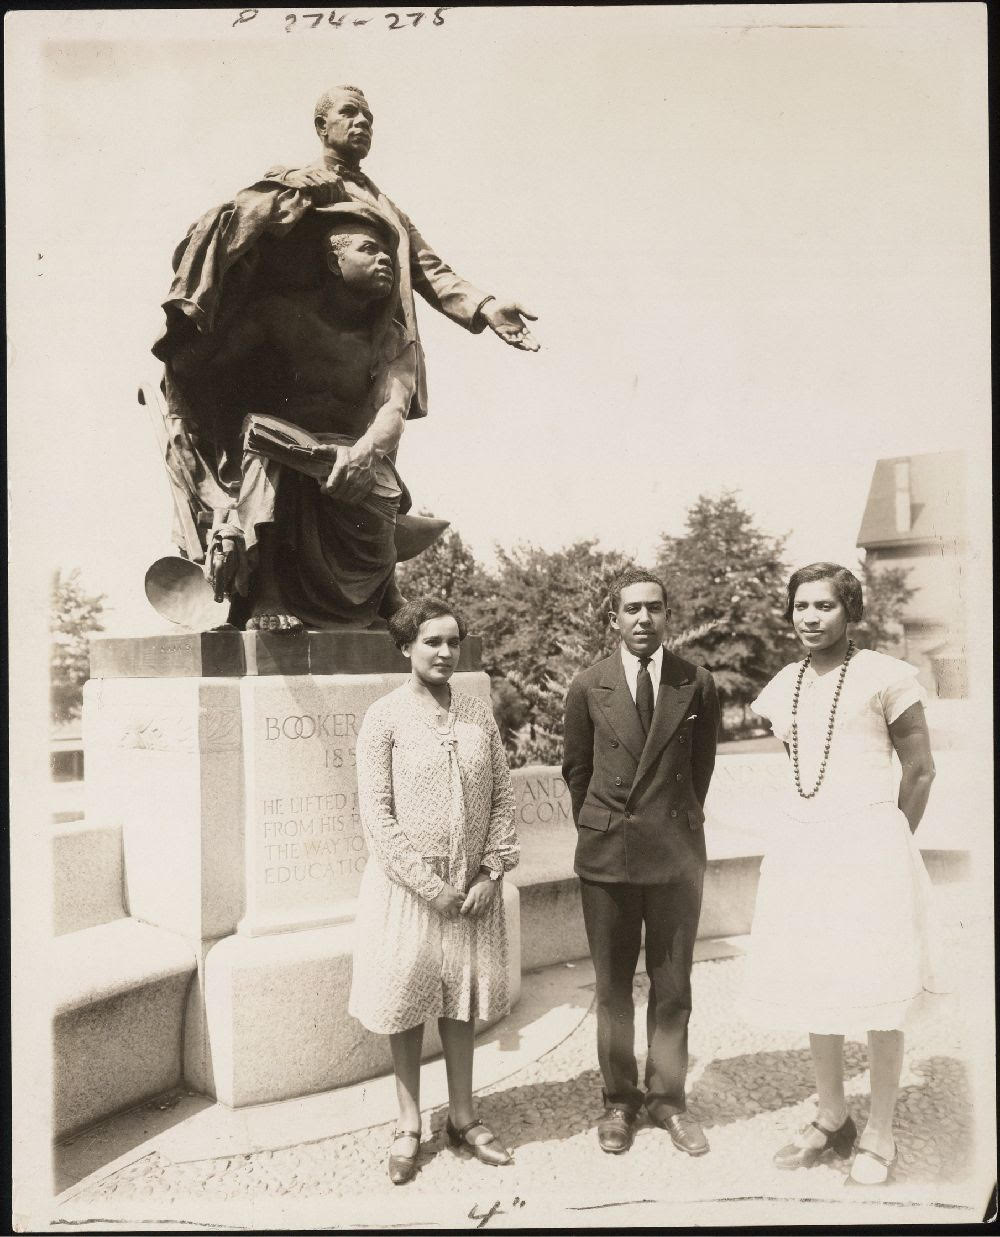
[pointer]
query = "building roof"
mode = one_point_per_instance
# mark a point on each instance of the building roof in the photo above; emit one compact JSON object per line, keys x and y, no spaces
{"x":937,"y":501}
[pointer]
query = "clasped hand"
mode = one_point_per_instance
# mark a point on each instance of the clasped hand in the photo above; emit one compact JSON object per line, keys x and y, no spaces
{"x":353,"y":473}
{"x":322,"y":186}
{"x":227,"y":566}
{"x":450,"y":903}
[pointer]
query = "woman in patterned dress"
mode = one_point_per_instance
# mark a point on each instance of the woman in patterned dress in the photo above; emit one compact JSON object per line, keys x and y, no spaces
{"x":840,"y":940}
{"x":438,"y":815}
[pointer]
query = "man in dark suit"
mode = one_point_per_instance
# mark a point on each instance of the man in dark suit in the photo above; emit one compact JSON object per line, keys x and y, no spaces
{"x":640,"y":736}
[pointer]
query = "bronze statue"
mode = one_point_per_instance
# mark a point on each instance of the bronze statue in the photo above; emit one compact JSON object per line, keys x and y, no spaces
{"x":292,"y":362}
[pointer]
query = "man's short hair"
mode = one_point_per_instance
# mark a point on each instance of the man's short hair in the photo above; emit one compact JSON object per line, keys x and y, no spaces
{"x":405,"y":624}
{"x":325,"y":101}
{"x":632,"y":575}
{"x":845,"y":584}
{"x":338,"y":239}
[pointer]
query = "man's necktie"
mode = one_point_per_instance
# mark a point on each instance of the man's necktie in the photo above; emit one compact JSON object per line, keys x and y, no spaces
{"x":644,"y":694}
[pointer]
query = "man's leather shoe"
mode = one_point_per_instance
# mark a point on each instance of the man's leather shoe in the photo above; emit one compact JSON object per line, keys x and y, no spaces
{"x":685,"y":1133}
{"x":616,"y":1129}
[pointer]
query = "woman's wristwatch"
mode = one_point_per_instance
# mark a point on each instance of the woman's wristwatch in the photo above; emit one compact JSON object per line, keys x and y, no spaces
{"x":493,"y":874}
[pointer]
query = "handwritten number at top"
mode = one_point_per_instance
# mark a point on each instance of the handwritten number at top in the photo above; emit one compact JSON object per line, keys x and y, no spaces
{"x":396,"y":21}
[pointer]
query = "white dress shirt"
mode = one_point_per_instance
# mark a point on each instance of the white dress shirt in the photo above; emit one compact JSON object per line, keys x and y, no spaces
{"x":630,"y":663}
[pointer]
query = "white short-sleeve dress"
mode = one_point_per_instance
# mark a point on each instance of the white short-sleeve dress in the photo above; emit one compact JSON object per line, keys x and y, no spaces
{"x":434,"y":807}
{"x":841,"y":940}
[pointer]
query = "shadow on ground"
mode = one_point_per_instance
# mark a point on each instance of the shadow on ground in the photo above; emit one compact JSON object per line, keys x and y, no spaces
{"x":78,"y":1156}
{"x":934,"y":1116}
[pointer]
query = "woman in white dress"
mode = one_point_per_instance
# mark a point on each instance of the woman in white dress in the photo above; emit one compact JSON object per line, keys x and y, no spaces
{"x":437,"y":810}
{"x":840,"y":941}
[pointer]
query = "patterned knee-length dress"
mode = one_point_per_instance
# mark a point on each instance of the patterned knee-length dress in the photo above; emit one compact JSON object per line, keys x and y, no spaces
{"x":434,"y":809}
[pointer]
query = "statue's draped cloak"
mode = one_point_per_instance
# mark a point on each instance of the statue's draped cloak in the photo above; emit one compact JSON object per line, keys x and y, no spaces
{"x":334,"y":560}
{"x":220,"y":258}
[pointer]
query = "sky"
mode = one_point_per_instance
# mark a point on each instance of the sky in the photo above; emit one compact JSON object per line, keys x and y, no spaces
{"x":756,"y":246}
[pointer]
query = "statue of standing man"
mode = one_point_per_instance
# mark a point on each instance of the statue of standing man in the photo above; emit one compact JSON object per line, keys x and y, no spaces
{"x":292,"y":362}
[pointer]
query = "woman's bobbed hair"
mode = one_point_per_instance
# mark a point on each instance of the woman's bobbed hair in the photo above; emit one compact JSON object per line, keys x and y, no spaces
{"x":411,"y":615}
{"x":845,"y":583}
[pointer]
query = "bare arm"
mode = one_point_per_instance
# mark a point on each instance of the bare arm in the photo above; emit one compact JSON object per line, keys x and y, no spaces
{"x":353,"y":473}
{"x":912,"y":742}
{"x":461,"y":301}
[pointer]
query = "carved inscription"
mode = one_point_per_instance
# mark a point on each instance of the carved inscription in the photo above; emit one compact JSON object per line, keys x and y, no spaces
{"x":305,"y":837}
{"x":325,"y":728}
{"x":312,"y":837}
{"x":165,"y":657}
{"x":542,"y":798}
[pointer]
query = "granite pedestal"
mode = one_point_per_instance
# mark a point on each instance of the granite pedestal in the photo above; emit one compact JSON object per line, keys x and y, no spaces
{"x":228,"y":761}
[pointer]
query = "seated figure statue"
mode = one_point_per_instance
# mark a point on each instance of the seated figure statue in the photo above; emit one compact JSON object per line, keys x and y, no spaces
{"x":304,"y":535}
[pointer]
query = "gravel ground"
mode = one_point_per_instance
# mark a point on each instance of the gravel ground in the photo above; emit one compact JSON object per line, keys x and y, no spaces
{"x":751,"y":1089}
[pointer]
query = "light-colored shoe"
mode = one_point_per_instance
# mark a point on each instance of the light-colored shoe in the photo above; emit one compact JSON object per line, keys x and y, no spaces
{"x":871,"y":1169}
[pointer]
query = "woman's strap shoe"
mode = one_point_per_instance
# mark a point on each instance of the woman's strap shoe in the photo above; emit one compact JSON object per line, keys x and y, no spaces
{"x":805,"y":1154}
{"x":879,"y":1179}
{"x":489,"y":1151}
{"x":402,"y":1167}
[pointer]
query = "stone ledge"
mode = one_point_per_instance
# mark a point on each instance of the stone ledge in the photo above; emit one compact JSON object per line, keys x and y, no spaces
{"x":276,"y":1009}
{"x":111,"y":959}
{"x":86,"y":876}
{"x":119,"y":991}
{"x":238,"y":654}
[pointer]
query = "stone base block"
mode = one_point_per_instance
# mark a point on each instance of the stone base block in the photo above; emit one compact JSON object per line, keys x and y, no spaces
{"x":277,"y":1017}
{"x":552,"y":916}
{"x":86,"y":876}
{"x":552,"y":923}
{"x":729,"y":895}
{"x":118,"y":1020}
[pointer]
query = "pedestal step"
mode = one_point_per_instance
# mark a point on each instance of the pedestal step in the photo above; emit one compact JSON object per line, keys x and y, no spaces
{"x":277,"y":1015}
{"x":87,"y":876}
{"x":117,"y":1021}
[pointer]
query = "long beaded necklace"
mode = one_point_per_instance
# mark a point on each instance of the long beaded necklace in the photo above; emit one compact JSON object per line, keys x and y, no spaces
{"x":829,"y":730}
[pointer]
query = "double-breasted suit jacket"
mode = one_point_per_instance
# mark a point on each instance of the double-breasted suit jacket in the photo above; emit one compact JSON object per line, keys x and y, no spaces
{"x":638,"y":801}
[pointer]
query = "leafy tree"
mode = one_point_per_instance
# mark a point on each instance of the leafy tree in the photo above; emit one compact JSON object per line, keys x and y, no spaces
{"x":74,"y":615}
{"x":542,"y":620}
{"x":887,"y":594}
{"x":447,"y":569}
{"x":727,"y":577}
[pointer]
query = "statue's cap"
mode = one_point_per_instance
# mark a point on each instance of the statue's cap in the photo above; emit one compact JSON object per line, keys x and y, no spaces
{"x":341,"y":215}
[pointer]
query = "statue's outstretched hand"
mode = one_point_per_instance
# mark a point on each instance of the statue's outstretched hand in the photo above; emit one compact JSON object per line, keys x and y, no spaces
{"x":352,"y":475}
{"x":506,"y":319}
{"x":226,"y":565}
